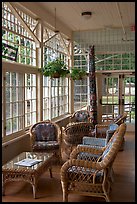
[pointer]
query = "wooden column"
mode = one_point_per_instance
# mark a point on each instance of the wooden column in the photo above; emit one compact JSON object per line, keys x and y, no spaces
{"x":92,"y":85}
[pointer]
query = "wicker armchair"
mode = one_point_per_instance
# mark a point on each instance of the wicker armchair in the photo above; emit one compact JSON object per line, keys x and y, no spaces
{"x":81,"y":116}
{"x":73,"y":134}
{"x":106,"y":131}
{"x":118,"y":120}
{"x":103,"y":133}
{"x":46,"y":136}
{"x":88,"y":171}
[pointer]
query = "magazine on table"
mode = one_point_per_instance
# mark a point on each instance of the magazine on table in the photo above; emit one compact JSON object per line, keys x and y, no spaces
{"x":28,"y":162}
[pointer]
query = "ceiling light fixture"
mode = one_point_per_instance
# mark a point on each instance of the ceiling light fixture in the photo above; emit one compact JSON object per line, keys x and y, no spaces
{"x":86,"y":14}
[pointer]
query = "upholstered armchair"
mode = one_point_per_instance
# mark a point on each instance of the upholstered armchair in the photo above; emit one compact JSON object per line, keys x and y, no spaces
{"x":46,"y":136}
{"x":73,"y":134}
{"x":81,"y":116}
{"x":88,"y":172}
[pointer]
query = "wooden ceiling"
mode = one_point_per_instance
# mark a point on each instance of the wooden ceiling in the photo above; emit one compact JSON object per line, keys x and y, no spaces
{"x":105,"y":15}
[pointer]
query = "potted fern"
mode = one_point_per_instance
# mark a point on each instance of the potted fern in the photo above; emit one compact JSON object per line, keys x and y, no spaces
{"x":78,"y":73}
{"x":55,"y":69}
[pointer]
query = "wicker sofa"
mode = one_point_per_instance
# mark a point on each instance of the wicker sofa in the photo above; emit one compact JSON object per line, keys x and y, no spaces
{"x":88,"y":172}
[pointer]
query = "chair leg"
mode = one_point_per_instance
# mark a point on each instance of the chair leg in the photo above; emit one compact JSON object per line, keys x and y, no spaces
{"x":106,"y":195}
{"x":64,"y":190}
{"x":50,"y":171}
{"x":65,"y":197}
{"x":112,"y":175}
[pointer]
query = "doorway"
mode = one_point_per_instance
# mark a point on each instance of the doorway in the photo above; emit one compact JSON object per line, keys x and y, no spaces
{"x":116,"y":95}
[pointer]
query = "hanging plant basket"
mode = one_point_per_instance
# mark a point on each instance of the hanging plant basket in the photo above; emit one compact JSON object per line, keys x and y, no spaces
{"x":55,"y":69}
{"x":55,"y":75}
{"x":78,"y":74}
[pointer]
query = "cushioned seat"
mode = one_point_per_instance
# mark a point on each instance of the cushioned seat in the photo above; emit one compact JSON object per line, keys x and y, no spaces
{"x":42,"y":145}
{"x":101,"y":142}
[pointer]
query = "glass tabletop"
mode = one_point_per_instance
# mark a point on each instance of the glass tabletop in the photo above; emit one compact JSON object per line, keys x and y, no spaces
{"x":36,"y":157}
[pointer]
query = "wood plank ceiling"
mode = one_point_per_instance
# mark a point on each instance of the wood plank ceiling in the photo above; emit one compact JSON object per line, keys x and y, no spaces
{"x":105,"y":15}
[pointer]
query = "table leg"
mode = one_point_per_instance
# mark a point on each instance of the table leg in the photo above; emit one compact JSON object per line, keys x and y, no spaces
{"x":34,"y":186}
{"x":3,"y":186}
{"x":3,"y":190}
{"x":50,"y":171}
{"x":34,"y":191}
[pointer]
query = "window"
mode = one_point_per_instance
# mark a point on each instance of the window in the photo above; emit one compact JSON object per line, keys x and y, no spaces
{"x":111,"y":53}
{"x":55,"y":91}
{"x":20,"y":101}
{"x":21,"y":83}
{"x":14,"y":102}
{"x":14,"y":34}
{"x":30,"y":99}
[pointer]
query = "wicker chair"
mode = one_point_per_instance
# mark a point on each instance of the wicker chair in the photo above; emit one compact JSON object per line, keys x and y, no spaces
{"x":46,"y":136}
{"x":103,"y":133}
{"x":106,"y":131}
{"x":88,"y":171}
{"x":73,"y":134}
{"x":81,"y":116}
{"x":118,"y":120}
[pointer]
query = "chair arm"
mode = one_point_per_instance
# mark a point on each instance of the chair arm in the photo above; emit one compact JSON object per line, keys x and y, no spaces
{"x":86,"y":149}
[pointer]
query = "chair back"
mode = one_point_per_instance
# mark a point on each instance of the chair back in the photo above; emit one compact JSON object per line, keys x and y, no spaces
{"x":113,"y":146}
{"x":74,"y":132}
{"x":121,"y":118}
{"x":44,"y":131}
{"x":81,"y":116}
{"x":45,"y":134}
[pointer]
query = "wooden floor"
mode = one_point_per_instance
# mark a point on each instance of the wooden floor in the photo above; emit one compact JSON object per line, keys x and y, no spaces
{"x":49,"y":189}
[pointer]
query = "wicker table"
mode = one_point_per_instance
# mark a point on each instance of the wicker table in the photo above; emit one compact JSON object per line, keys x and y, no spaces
{"x":13,"y":172}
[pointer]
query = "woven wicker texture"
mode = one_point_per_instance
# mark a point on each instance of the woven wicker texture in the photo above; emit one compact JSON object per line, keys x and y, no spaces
{"x":46,"y":136}
{"x":91,"y":174}
{"x":118,"y":120}
{"x":73,"y":134}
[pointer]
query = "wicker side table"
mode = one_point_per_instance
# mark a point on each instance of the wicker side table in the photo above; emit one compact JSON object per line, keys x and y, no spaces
{"x":13,"y":172}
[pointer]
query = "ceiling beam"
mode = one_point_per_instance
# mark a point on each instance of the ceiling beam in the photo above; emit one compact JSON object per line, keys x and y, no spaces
{"x":65,"y":47}
{"x":50,"y":38}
